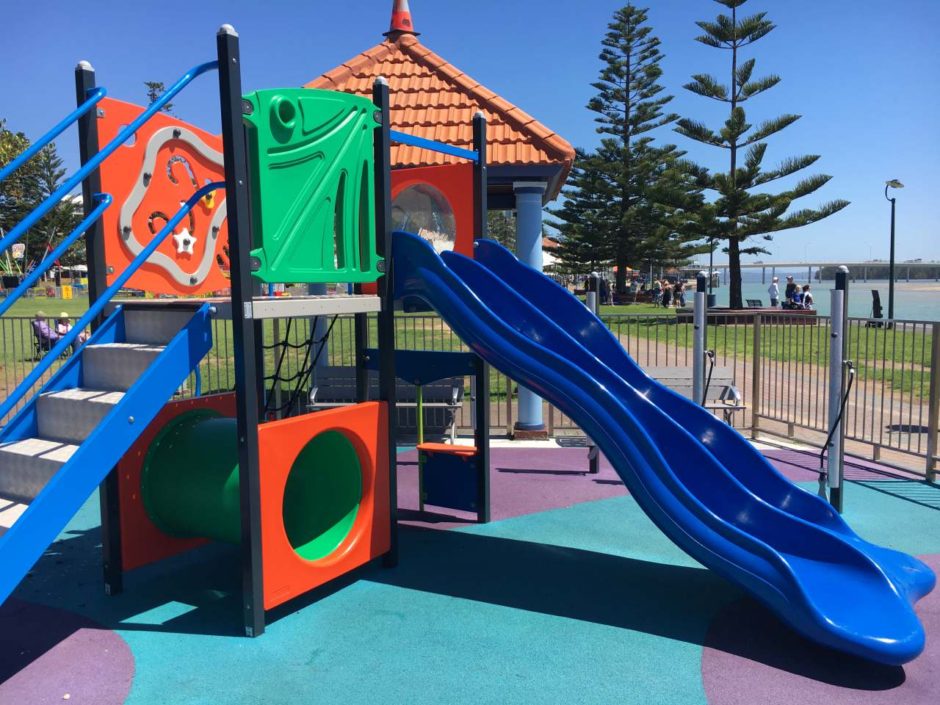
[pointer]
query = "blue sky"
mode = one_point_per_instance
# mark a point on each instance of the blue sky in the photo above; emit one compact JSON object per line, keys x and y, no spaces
{"x":863,"y":73}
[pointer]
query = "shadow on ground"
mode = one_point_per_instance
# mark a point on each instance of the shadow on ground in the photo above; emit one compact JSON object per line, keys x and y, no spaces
{"x":198,"y":594}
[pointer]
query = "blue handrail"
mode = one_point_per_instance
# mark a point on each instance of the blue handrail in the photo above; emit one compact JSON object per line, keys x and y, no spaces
{"x":420,"y":142}
{"x":93,"y":98}
{"x":96,"y":308}
{"x":105,"y":152}
{"x":104,"y":200}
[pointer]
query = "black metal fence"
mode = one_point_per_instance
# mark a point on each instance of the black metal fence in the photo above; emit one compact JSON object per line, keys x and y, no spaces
{"x":779,"y":364}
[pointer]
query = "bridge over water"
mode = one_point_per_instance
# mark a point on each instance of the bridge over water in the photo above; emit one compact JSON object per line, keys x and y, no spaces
{"x":858,"y":271}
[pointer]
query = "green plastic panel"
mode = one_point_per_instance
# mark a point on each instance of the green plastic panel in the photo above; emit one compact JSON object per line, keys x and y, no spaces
{"x":311,"y":167}
{"x":189,"y":483}
{"x":324,"y":489}
{"x":190,"y":487}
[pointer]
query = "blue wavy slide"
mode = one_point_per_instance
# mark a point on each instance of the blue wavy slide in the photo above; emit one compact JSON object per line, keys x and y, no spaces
{"x":789,"y":552}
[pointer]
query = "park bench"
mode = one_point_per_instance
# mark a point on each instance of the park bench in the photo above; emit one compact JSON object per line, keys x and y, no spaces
{"x":754,"y":303}
{"x":335,"y":386}
{"x":721,"y":394}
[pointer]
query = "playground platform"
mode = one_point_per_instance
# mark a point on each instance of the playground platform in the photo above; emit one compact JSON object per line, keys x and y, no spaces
{"x":570,"y":595}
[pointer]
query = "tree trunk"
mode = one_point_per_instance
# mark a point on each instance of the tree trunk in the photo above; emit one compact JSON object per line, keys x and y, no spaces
{"x":621,"y":276}
{"x":734,"y":274}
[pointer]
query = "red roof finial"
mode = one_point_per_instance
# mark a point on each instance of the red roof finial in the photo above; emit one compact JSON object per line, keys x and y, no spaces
{"x":401,"y":19}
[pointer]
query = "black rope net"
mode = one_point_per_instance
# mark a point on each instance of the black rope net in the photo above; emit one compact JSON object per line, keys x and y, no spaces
{"x":313,"y":348}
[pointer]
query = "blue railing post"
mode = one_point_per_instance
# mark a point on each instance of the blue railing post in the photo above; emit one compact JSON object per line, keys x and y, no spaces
{"x":66,"y":188}
{"x":431,"y":145}
{"x":95,"y":309}
{"x":87,"y":101}
{"x":104,"y":200}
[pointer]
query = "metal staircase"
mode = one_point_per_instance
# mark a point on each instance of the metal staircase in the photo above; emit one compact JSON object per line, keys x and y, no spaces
{"x":62,"y":444}
{"x":57,"y":449}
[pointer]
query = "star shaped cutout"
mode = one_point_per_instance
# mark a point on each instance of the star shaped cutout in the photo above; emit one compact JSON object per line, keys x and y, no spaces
{"x":184,"y":242}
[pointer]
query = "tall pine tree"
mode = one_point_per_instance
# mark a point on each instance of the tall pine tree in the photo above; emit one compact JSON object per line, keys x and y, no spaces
{"x":586,"y":223}
{"x":737,"y":213}
{"x":622,"y":179}
{"x":64,"y":216}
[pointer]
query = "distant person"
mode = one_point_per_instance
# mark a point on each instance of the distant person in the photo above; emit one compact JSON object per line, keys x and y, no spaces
{"x":604,"y":293}
{"x":46,"y":337}
{"x":774,"y":291}
{"x":796,"y":298}
{"x":788,"y":292}
{"x":63,"y":325}
{"x":667,"y":295}
{"x":657,"y":292}
{"x":680,"y":293}
{"x":807,"y":298}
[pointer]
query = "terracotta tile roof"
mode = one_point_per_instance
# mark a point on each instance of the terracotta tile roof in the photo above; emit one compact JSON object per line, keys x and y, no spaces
{"x":435,"y":100}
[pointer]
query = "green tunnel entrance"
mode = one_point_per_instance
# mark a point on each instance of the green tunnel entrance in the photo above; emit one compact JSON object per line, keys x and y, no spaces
{"x":190,"y":487}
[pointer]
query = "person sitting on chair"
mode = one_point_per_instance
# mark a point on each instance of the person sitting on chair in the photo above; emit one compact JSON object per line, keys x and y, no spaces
{"x":46,"y":338}
{"x":63,"y":325}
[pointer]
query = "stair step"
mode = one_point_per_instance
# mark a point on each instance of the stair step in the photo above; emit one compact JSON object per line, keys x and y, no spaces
{"x":10,"y":511}
{"x":116,"y":366}
{"x":154,"y":326}
{"x":72,"y":414}
{"x":26,"y":466}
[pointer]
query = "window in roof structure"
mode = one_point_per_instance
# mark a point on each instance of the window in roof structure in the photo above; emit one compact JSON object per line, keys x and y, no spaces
{"x":424,"y":210}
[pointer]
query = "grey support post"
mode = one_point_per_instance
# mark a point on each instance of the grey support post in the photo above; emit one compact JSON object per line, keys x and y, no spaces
{"x":698,"y":339}
{"x":837,"y":347}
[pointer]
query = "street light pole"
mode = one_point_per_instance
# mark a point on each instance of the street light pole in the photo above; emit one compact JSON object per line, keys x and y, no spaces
{"x":893,"y":183}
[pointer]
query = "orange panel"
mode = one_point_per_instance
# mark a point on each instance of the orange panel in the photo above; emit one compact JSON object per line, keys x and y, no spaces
{"x":286,"y":574}
{"x":455,"y":181}
{"x":447,"y":448}
{"x":141,"y":541}
{"x":149,"y":178}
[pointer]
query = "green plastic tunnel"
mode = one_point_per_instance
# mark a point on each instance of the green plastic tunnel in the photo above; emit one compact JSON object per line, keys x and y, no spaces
{"x":190,"y":485}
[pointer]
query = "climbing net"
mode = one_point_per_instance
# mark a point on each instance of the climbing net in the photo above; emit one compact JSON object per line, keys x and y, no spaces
{"x":312,"y":348}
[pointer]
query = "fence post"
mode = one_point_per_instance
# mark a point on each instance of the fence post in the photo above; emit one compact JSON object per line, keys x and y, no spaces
{"x":755,"y":377}
{"x":933,"y":415}
{"x":509,"y":421}
{"x":698,"y":339}
{"x":836,"y":388}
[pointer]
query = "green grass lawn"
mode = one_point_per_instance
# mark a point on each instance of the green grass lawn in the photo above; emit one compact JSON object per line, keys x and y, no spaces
{"x":52,"y":307}
{"x":900,"y":357}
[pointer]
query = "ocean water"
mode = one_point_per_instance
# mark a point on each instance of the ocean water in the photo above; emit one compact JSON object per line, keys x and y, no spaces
{"x":915,"y":300}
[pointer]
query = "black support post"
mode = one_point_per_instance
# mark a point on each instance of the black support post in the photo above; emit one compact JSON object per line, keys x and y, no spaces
{"x":361,"y":338}
{"x":244,"y":329}
{"x":482,"y":391}
{"x":108,"y":492}
{"x":481,"y":438}
{"x":386,"y":291}
{"x":480,"y":207}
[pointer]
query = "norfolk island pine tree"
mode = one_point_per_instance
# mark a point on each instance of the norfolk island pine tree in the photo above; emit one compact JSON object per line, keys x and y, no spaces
{"x":737,"y":214}
{"x":630,"y":201}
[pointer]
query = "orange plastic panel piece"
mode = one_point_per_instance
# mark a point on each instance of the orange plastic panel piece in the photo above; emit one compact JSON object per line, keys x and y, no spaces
{"x":149,"y":177}
{"x":455,"y":182}
{"x":447,"y":448}
{"x":286,"y":573}
{"x":141,"y":541}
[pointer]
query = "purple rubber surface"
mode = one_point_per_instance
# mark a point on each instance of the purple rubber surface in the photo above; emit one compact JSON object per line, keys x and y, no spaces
{"x":523,"y":481}
{"x":750,"y":657}
{"x":802,"y":466}
{"x":48,"y":653}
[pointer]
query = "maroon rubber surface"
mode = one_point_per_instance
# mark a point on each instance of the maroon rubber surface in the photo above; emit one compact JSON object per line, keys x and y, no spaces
{"x":48,"y":653}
